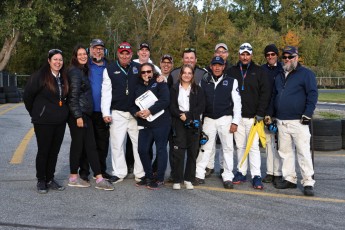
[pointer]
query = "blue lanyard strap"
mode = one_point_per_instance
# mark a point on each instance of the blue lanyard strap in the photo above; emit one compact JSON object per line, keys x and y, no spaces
{"x":244,"y":75}
{"x":126,"y":73}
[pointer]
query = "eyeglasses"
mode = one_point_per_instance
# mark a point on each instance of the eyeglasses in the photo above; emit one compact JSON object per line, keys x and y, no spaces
{"x":99,"y":49}
{"x":189,"y":49}
{"x":246,"y":48}
{"x":221,"y":51}
{"x":271,"y":54}
{"x":125,"y":47}
{"x":143,"y":72}
{"x":54,"y":51}
{"x":289,"y":57}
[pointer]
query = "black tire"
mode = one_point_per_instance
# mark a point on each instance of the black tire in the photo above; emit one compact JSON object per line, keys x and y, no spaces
{"x":10,"y":89}
{"x":327,"y":127}
{"x":2,"y":96}
{"x":327,"y":143}
{"x":1,"y":89}
{"x":12,"y":95}
{"x":13,"y":100}
{"x":2,"y":101}
{"x":343,"y":127}
{"x":343,"y":137}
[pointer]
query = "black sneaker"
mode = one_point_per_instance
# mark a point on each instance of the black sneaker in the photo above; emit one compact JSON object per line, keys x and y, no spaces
{"x":208,"y":172}
{"x":308,"y":191}
{"x":42,"y":187}
{"x":277,"y":179}
{"x":53,"y":184}
{"x":143,"y":182}
{"x":228,"y":184}
{"x":106,"y":176}
{"x":268,"y":178}
{"x":115,"y":179}
{"x":198,"y":181}
{"x":285,"y":184}
{"x":155,"y":185}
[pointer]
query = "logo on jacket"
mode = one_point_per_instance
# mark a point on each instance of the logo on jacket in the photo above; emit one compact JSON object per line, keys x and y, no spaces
{"x":225,"y":82}
{"x":117,"y":72}
{"x":135,"y":70}
{"x":154,"y":85}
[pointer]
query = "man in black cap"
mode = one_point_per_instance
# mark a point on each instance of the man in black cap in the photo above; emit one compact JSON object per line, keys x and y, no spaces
{"x":221,"y":116}
{"x":144,"y":53}
{"x":273,"y":161}
{"x":166,"y":64}
{"x":294,"y":100}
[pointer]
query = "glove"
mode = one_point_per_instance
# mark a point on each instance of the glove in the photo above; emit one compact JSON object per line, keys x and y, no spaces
{"x":267,"y":120}
{"x":305,"y":120}
{"x":258,"y":118}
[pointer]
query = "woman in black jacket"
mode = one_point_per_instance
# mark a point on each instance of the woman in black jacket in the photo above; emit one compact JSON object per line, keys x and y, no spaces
{"x":186,"y":106}
{"x":45,"y":100}
{"x":80,"y":123}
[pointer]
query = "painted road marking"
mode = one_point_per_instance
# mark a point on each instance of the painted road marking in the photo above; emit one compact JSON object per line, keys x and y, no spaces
{"x":331,"y":200}
{"x":18,"y":155}
{"x":3,"y":105}
{"x":9,"y":109}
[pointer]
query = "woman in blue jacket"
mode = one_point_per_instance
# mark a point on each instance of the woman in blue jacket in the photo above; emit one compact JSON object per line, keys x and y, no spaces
{"x":156,"y":130}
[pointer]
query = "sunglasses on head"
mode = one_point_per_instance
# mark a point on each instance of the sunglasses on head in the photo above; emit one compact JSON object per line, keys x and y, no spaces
{"x":190,"y":49}
{"x":271,"y":54}
{"x":148,"y":71}
{"x":124,"y":47}
{"x":54,"y":51}
{"x":289,"y":57}
{"x":246,"y":48}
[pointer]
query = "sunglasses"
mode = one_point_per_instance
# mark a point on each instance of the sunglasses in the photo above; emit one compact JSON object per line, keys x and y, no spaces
{"x":189,"y":49}
{"x":54,"y":51}
{"x":271,"y":54}
{"x":289,"y":57}
{"x":148,"y":71}
{"x":246,"y":48}
{"x":125,"y":47}
{"x":166,"y":62}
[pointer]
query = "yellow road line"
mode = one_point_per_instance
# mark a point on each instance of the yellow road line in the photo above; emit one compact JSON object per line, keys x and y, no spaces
{"x":271,"y":194}
{"x":3,"y":105}
{"x":330,"y":155}
{"x":18,"y":155}
{"x":9,"y":109}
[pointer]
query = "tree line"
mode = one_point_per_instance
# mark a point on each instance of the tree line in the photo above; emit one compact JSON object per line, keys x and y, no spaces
{"x":29,"y":28}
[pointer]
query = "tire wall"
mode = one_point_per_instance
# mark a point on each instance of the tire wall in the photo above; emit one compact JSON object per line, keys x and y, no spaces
{"x":327,"y":135}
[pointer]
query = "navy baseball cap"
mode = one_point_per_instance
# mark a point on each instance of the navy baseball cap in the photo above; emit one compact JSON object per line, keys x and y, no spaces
{"x":290,"y":50}
{"x":217,"y":60}
{"x":97,"y":42}
{"x":144,"y":45}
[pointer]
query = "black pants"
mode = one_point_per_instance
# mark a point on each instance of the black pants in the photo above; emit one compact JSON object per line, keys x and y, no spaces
{"x":49,"y":139}
{"x":83,"y":139}
{"x":101,"y":133}
{"x":178,"y":157}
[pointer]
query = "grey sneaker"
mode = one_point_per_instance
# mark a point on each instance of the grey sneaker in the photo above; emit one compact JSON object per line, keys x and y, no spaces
{"x":104,"y":185}
{"x":80,"y":183}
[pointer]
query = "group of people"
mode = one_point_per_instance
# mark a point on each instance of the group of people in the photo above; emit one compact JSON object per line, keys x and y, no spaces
{"x":114,"y":104}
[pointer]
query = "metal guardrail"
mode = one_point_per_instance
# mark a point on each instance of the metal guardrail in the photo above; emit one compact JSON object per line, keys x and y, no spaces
{"x":331,"y":81}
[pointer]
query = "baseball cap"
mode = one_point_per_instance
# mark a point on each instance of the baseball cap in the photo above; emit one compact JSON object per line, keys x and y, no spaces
{"x":290,"y":50}
{"x":217,"y":60}
{"x":124,"y":46}
{"x":96,"y":42}
{"x":221,"y":45}
{"x":144,"y":45}
{"x":246,"y":47}
{"x":167,"y":56}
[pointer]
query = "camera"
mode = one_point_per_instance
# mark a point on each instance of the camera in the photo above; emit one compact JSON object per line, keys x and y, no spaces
{"x":203,"y":138}
{"x":192,"y":124}
{"x":272,"y":128}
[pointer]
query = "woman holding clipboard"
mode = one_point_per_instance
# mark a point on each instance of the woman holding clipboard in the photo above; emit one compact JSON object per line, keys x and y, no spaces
{"x":153,"y":98}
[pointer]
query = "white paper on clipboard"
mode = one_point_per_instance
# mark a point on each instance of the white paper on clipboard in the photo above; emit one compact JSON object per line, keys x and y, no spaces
{"x":145,"y":101}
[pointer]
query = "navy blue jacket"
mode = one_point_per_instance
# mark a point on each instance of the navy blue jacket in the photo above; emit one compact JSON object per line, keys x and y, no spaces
{"x":219,"y":100}
{"x":124,"y":83}
{"x":295,"y":95}
{"x":161,"y":91}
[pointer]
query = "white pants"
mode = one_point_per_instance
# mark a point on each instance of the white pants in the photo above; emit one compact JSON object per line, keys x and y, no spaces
{"x":211,"y":127}
{"x":212,"y":160}
{"x":293,"y":132}
{"x":241,"y":138}
{"x":273,"y":161}
{"x":123,"y":122}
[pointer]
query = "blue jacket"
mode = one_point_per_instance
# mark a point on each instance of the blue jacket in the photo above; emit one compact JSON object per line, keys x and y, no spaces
{"x":96,"y":78}
{"x":295,"y":95}
{"x":161,"y":91}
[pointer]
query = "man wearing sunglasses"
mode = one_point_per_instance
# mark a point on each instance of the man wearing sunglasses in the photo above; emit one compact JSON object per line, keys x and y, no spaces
{"x":118,"y":95}
{"x":295,"y":96}
{"x":273,"y":161}
{"x":255,"y":94}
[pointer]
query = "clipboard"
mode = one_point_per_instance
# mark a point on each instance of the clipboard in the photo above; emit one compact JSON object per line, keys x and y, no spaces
{"x":145,"y":101}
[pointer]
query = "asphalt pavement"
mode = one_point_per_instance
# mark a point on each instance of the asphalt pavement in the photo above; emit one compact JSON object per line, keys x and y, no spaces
{"x":127,"y":207}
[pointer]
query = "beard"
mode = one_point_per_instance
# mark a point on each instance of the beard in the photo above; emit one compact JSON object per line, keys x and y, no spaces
{"x":289,"y":66}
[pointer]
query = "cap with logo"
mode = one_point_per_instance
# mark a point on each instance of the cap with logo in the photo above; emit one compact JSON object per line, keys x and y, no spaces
{"x":97,"y":42}
{"x":124,"y":46}
{"x":290,"y":50}
{"x":221,"y":45}
{"x":246,"y":47}
{"x":167,"y":56}
{"x":217,"y":60}
{"x":144,"y":45}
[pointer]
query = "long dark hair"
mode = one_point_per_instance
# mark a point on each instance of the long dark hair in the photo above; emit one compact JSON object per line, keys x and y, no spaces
{"x":74,"y":60}
{"x":193,"y":85}
{"x":154,"y":73}
{"x":48,"y":80}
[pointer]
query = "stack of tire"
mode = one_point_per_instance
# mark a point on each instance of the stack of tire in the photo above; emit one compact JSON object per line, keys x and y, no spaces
{"x":12,"y":94}
{"x":2,"y":96}
{"x":343,"y":132}
{"x":327,"y":135}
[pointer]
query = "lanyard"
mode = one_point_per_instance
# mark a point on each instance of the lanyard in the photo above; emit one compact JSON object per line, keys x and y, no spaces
{"x":126,"y":73}
{"x":243,"y":75}
{"x":60,"y":89}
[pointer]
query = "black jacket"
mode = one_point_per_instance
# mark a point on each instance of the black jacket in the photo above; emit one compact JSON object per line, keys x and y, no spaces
{"x":255,"y":90}
{"x":43,"y":104}
{"x":80,"y":94}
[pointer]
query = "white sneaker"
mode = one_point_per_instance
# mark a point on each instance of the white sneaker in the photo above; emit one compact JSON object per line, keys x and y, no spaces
{"x":188,"y":185}
{"x":177,"y":186}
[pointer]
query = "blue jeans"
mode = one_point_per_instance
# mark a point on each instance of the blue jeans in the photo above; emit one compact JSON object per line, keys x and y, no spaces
{"x":160,"y":136}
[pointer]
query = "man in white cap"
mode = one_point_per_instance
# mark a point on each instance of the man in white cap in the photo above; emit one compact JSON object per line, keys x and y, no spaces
{"x":255,"y":94}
